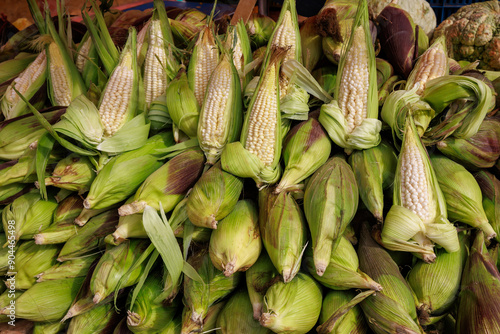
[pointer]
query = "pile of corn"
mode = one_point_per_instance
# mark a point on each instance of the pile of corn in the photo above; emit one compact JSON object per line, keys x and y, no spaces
{"x":254,"y":179}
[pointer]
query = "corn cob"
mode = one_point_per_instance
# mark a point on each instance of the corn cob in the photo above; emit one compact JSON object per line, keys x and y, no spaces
{"x":203,"y":62}
{"x":33,"y":259}
{"x":27,"y":83}
{"x":351,"y":119}
{"x":199,"y":296}
{"x":433,"y":63}
{"x":464,"y":200}
{"x":283,"y":231}
{"x":478,"y":308}
{"x":109,"y":187}
{"x":236,"y":244}
{"x":258,"y":153}
{"x":392,"y":309}
{"x":306,"y":148}
{"x":119,"y":100}
{"x":97,"y":320}
{"x":12,"y":68}
{"x":114,"y":263}
{"x":342,"y":272}
{"x":155,"y":76}
{"x":352,"y":322}
{"x":236,"y":316}
{"x":208,"y":323}
{"x":57,"y":298}
{"x":418,"y":215}
{"x":213,"y":197}
{"x":77,"y":267}
{"x":330,"y":202}
{"x":220,"y":115}
{"x":238,"y":42}
{"x":296,"y":305}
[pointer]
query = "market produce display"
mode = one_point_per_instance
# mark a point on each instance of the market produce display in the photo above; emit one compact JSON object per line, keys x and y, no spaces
{"x":170,"y":172}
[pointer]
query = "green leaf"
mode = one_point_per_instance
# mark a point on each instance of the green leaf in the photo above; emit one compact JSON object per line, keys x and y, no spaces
{"x":190,"y":272}
{"x":43,"y":150}
{"x":143,"y":277}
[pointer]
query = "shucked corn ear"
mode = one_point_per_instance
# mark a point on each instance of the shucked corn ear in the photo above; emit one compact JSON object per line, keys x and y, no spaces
{"x":330,"y":202}
{"x":433,"y":63}
{"x":342,"y":271}
{"x":213,"y":197}
{"x":479,"y":303}
{"x":168,"y":184}
{"x":203,"y":62}
{"x":436,"y":285}
{"x":27,"y":83}
{"x":119,"y":100}
{"x":236,"y":244}
{"x":283,"y":230}
{"x":374,"y":169}
{"x":221,"y":112}
{"x":258,"y":152}
{"x":306,"y":148}
{"x":392,"y":309}
{"x":296,"y":305}
{"x":199,"y":296}
{"x":114,"y":263}
{"x":238,"y":42}
{"x":110,"y":187}
{"x":351,"y":119}
{"x":464,"y":200}
{"x":417,"y":218}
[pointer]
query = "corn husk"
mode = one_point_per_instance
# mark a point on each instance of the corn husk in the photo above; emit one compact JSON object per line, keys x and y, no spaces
{"x":179,"y":218}
{"x":74,"y":173}
{"x":236,"y":244}
{"x":101,"y":319}
{"x":199,"y":296}
{"x":391,"y":310}
{"x":259,"y":278}
{"x":478,"y":309}
{"x":174,"y":326}
{"x":283,"y":231}
{"x":293,"y":307}
{"x":342,"y":272}
{"x":330,"y":202}
{"x":213,"y":197}
{"x":305,"y":149}
{"x":403,"y":229}
{"x":236,"y":316}
{"x":63,"y":226}
{"x":49,"y":327}
{"x":260,"y":28}
{"x":78,"y":267}
{"x":86,"y":214}
{"x":5,"y":299}
{"x":168,"y":184}
{"x":90,"y":238}
{"x":312,"y":48}
{"x":374,"y":169}
{"x":351,"y":322}
{"x":5,"y":252}
{"x":110,"y":187}
{"x":114,"y":263}
{"x":208,"y":323}
{"x":436,"y":285}
{"x":12,"y":191}
{"x":47,"y":301}
{"x":32,"y":259}
{"x":146,"y":315}
{"x":22,"y":170}
{"x":490,"y":189}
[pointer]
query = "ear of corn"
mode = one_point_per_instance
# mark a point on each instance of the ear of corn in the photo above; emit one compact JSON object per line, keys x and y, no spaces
{"x":311,"y":43}
{"x":490,"y":188}
{"x":213,"y":197}
{"x":114,"y":263}
{"x":78,"y":267}
{"x":28,"y":82}
{"x":259,"y":278}
{"x":374,"y":169}
{"x":236,"y":244}
{"x":238,"y":42}
{"x":418,"y":215}
{"x":168,"y":184}
{"x":4,"y":255}
{"x":203,"y":62}
{"x":433,"y":63}
{"x":351,"y":322}
{"x":10,"y":192}
{"x":306,"y":148}
{"x":342,"y":271}
{"x":22,"y":170}
{"x":296,"y":305}
{"x":283,"y":231}
{"x":330,"y":202}
{"x":129,"y":226}
{"x":260,"y":28}
{"x":221,"y":114}
{"x":90,"y":237}
{"x":74,"y":173}
{"x":199,"y":296}
{"x":208,"y":322}
{"x":109,"y":187}
{"x":394,"y":306}
{"x":478,"y":309}
{"x":5,"y":299}
{"x":57,"y":298}
{"x":436,"y":285}
{"x":464,"y":200}
{"x":257,"y":155}
{"x":99,"y":319}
